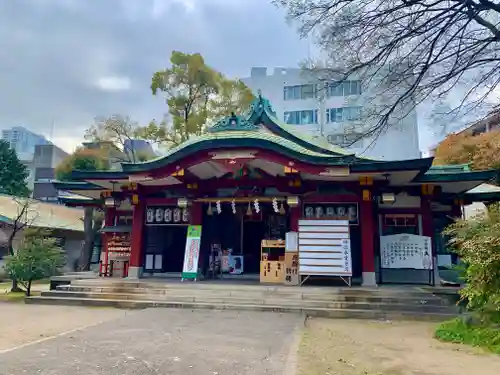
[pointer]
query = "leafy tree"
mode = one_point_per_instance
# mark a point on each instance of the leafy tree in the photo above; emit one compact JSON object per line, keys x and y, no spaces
{"x":196,"y":95}
{"x":85,"y":160}
{"x":82,"y":159}
{"x":13,"y":173}
{"x":38,"y":257}
{"x":25,"y":216}
{"x":480,"y":151}
{"x":477,"y":242}
{"x":120,"y":131}
{"x":233,"y":96}
{"x":417,"y":50}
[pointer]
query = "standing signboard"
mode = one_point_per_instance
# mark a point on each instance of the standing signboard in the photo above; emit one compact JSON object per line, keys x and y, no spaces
{"x":325,"y":248}
{"x":401,"y":251}
{"x":192,"y":253}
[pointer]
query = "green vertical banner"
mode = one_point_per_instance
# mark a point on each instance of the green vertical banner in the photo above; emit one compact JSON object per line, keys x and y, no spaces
{"x":192,"y":252}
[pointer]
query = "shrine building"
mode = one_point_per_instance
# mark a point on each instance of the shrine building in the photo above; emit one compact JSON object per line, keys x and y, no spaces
{"x":252,"y":190}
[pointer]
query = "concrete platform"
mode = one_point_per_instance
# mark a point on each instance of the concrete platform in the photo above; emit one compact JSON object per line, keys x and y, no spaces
{"x":337,"y":302}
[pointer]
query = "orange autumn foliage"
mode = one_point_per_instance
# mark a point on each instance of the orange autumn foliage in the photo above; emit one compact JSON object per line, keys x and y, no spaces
{"x":480,"y":152}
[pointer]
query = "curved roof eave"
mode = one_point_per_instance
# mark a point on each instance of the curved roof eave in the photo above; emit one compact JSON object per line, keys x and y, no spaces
{"x":75,"y":185}
{"x":256,"y":142}
{"x":484,"y":176}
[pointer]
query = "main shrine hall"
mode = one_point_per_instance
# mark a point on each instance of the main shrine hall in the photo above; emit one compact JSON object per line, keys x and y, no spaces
{"x":254,"y":196}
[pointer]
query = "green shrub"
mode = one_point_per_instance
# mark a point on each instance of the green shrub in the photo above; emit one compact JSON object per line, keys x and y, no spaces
{"x":37,"y":258}
{"x":477,"y":242}
{"x":460,"y":331}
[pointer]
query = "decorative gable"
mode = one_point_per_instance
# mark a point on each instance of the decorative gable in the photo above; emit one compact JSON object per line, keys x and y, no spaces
{"x":233,"y":123}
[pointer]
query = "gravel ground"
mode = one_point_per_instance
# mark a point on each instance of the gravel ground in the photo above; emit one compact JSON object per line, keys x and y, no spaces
{"x":356,"y":347}
{"x":22,"y":324}
{"x":156,"y":341}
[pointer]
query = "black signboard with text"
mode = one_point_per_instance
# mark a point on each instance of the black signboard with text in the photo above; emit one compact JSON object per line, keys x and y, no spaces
{"x":165,"y":215}
{"x":332,"y":211}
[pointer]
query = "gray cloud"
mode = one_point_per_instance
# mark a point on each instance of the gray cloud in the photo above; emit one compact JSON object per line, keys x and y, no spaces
{"x":54,"y":52}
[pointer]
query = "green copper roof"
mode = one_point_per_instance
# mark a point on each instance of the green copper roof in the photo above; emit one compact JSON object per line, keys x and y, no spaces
{"x":455,"y":168}
{"x":446,"y":176}
{"x":261,"y":125}
{"x":261,"y":129}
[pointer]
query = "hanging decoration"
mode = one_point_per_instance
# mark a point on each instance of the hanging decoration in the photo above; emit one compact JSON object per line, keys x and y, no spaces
{"x":218,"y":207}
{"x":282,"y":208}
{"x":256,"y":205}
{"x":275,"y":205}
{"x":249,"y":210}
{"x":233,"y":206}
{"x":209,"y":209}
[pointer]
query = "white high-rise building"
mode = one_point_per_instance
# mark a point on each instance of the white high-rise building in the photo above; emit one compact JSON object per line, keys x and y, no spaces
{"x":23,"y":141}
{"x":336,"y":111}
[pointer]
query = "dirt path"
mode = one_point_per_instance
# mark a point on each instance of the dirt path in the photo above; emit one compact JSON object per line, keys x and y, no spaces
{"x":21,"y":324}
{"x":349,"y":347}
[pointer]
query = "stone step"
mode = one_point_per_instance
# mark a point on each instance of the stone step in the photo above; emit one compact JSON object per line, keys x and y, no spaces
{"x":221,"y":300}
{"x":231,"y":285}
{"x":258,"y":289}
{"x":296,"y":295}
{"x":316,"y":312}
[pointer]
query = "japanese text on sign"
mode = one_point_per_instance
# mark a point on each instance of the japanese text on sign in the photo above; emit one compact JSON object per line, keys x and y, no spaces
{"x":332,"y":211}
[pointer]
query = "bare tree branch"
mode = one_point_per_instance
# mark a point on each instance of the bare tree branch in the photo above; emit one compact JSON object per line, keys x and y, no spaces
{"x":406,"y":51}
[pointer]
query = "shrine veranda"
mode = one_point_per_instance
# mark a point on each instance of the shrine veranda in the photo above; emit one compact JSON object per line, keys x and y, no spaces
{"x":253,"y":196}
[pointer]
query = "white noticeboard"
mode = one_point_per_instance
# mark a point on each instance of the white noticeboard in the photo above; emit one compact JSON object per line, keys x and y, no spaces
{"x":324,"y":248}
{"x":292,"y":242}
{"x":406,"y":251}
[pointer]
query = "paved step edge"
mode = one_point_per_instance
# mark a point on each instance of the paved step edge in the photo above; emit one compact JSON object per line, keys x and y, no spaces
{"x":364,"y":305}
{"x":240,"y":287}
{"x":303,"y":293}
{"x":316,"y":312}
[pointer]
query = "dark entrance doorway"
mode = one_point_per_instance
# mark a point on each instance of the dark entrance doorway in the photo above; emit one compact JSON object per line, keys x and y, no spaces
{"x":175,"y":244}
{"x":253,"y":233}
{"x":241,"y":232}
{"x":164,"y":248}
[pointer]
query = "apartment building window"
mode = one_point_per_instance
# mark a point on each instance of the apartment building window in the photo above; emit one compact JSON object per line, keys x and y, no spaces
{"x":301,"y":117}
{"x":343,"y":114}
{"x":345,"y":88}
{"x":299,"y":92}
{"x":344,"y":139}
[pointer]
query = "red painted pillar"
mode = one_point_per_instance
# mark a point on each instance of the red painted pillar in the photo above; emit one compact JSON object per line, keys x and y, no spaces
{"x":428,"y":230}
{"x":456,"y":211}
{"x":367,"y":222}
{"x":135,"y":266}
{"x":427,"y":225}
{"x":295,"y":215}
{"x":196,"y":213}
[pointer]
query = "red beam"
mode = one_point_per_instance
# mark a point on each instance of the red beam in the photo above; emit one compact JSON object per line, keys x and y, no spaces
{"x":203,"y":156}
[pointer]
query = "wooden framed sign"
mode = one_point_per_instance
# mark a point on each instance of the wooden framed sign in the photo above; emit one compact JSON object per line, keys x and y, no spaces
{"x":166,"y":215}
{"x":332,"y":211}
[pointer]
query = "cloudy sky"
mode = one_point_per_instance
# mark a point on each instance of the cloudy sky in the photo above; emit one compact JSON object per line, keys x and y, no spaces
{"x":67,"y":61}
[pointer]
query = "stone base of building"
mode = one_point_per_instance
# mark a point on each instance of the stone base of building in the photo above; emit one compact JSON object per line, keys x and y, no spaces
{"x":369,"y":279}
{"x":134,"y":272}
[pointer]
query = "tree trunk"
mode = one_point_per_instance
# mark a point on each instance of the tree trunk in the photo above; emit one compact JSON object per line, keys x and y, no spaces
{"x":28,"y":289}
{"x":88,"y":221}
{"x":14,"y":287}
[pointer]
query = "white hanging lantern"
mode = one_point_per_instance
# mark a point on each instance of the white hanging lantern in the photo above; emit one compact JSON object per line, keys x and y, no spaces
{"x":256,"y":206}
{"x":218,"y":207}
{"x":233,"y":206}
{"x":275,"y":205}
